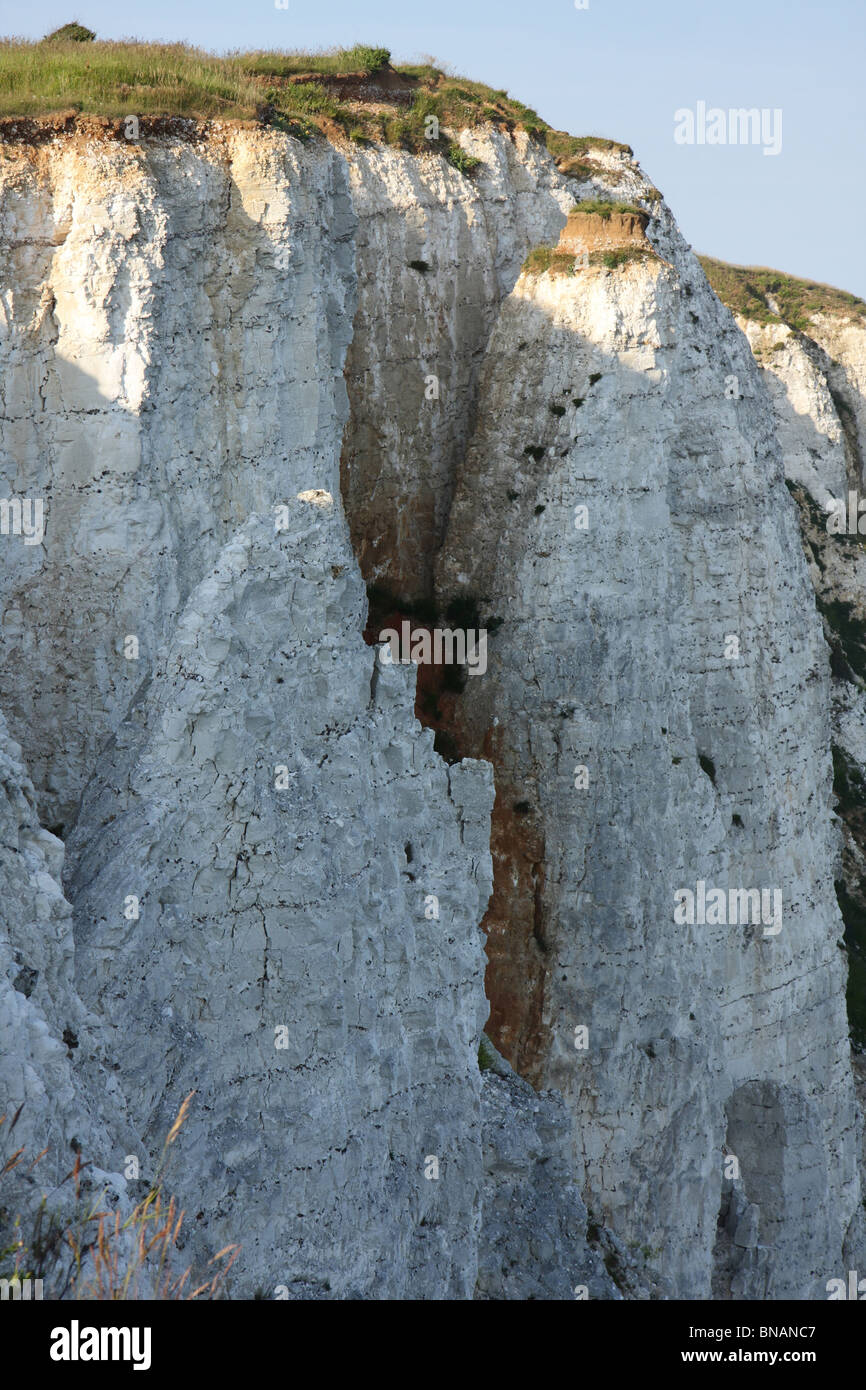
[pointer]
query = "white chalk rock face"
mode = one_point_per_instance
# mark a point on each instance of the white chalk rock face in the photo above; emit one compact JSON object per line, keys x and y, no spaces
{"x":816,"y":379}
{"x":277,"y":883}
{"x":841,"y":339}
{"x":206,"y":346}
{"x":304,"y":954}
{"x":808,"y":428}
{"x":621,"y":521}
{"x":170,"y":363}
{"x":437,"y":253}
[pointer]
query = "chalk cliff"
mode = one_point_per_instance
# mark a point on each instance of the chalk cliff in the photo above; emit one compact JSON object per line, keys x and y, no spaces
{"x":246,"y":376}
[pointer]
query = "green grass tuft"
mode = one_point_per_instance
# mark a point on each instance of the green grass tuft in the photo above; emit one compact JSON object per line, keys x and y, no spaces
{"x":621,"y":255}
{"x":366,"y":59}
{"x":543,"y":260}
{"x":568,"y":150}
{"x":602,"y":208}
{"x":461,"y":159}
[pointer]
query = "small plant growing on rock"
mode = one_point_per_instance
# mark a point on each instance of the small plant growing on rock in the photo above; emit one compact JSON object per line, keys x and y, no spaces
{"x":549,"y":260}
{"x":620,"y":255}
{"x":98,"y":1254}
{"x":460,"y":159}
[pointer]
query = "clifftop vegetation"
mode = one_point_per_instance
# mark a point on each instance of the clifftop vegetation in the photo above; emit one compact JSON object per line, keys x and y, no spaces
{"x":747,"y":290}
{"x":353,"y":92}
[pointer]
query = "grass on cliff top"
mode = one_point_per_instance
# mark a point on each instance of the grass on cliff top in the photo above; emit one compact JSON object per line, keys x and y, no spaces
{"x":119,"y":79}
{"x":744,"y":289}
{"x":298,"y":92}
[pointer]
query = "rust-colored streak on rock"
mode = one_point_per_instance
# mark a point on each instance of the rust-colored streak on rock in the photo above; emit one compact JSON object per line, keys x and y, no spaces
{"x":515,"y":921}
{"x":515,"y":926}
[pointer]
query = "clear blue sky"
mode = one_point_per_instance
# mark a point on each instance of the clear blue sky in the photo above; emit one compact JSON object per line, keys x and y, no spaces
{"x":619,"y":68}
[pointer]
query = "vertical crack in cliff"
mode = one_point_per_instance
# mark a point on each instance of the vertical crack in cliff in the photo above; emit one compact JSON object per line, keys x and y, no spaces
{"x":413,"y":373}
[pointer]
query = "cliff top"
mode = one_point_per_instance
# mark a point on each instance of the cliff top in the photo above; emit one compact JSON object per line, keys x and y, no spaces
{"x":769,"y":296}
{"x":352,"y":93}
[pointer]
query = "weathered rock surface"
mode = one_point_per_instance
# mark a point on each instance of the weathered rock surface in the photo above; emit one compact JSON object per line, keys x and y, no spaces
{"x":588,"y":232}
{"x":281,"y":964}
{"x":276,"y":882}
{"x":613,"y":652}
{"x":249,"y":926}
{"x":816,"y":379}
{"x":534,"y":1232}
{"x":58,"y":1091}
{"x":437,"y":253}
{"x":177,"y":314}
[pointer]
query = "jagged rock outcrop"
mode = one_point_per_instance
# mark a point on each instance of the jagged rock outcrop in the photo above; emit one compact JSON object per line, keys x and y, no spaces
{"x":59,"y":1094}
{"x":178,"y":314}
{"x":590,"y":231}
{"x":282,"y":963}
{"x":537,"y":1240}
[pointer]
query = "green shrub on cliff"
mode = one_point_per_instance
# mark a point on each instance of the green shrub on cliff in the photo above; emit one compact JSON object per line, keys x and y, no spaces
{"x":70,"y":33}
{"x":368,"y":60}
